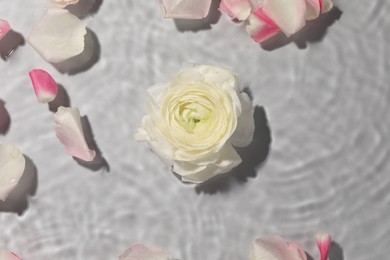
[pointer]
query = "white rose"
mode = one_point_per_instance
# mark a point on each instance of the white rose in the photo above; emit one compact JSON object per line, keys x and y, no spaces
{"x":195,"y":120}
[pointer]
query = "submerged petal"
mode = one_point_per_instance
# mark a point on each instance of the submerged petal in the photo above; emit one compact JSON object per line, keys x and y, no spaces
{"x":12,"y":164}
{"x":44,"y":85}
{"x":141,"y":252}
{"x":275,"y":248}
{"x":70,"y":133}
{"x":58,"y":36}
{"x":260,"y":27}
{"x":185,"y":9}
{"x":4,"y":28}
{"x":323,"y":242}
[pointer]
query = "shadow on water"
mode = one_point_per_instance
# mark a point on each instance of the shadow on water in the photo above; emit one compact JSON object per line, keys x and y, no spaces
{"x":61,"y":100}
{"x":195,"y":25}
{"x":85,"y":60}
{"x":336,"y":252}
{"x":85,"y":8}
{"x":17,"y":201}
{"x":5,"y":119}
{"x":99,"y":163}
{"x":9,"y":43}
{"x":253,"y":156}
{"x":314,"y":31}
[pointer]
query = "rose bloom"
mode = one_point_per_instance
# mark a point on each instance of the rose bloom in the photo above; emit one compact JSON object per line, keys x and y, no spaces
{"x":195,"y":120}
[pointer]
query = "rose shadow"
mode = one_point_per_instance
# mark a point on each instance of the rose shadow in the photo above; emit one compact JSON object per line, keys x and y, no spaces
{"x":194,"y":25}
{"x":5,"y":119}
{"x":61,"y":100}
{"x":314,"y":31}
{"x":17,"y":200}
{"x":253,"y":157}
{"x":9,"y":43}
{"x":85,"y":8}
{"x":336,"y":252}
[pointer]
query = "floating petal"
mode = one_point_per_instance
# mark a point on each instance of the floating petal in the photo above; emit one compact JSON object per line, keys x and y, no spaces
{"x":261,"y":27}
{"x":12,"y":164}
{"x":323,"y":242}
{"x":70,"y":133}
{"x":185,"y":9}
{"x":141,"y":252}
{"x":45,"y":86}
{"x":4,"y":28}
{"x":236,"y":9}
{"x":64,"y":3}
{"x":58,"y":36}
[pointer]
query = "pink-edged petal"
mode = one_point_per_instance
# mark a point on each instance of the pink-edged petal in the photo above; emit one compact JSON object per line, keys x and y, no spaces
{"x":141,"y":252}
{"x":64,"y":3}
{"x":288,"y":15}
{"x":236,"y":9}
{"x":58,"y":36}
{"x":275,"y":248}
{"x":324,"y":242}
{"x":7,"y":255}
{"x":45,"y":86}
{"x":260,"y":27}
{"x":4,"y":28}
{"x":12,"y":164}
{"x":70,"y":133}
{"x":185,"y":9}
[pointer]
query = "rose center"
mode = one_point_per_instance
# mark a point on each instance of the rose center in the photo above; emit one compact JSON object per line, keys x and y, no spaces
{"x":192,"y":115}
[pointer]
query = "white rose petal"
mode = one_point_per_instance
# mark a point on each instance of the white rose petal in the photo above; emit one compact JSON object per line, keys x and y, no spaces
{"x":193,"y":120}
{"x":58,"y":36}
{"x":141,"y":252}
{"x":12,"y":164}
{"x":64,"y":3}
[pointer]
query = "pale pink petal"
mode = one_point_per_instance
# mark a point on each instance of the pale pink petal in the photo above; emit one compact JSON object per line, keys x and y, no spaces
{"x":4,"y":28}
{"x":236,"y":9}
{"x":64,"y":3}
{"x":58,"y":36}
{"x":12,"y":164}
{"x":45,"y":86}
{"x":288,"y":15}
{"x":185,"y":9}
{"x":313,"y":9}
{"x":70,"y":133}
{"x":7,"y":255}
{"x":260,"y":27}
{"x":275,"y":248}
{"x":323,"y":242}
{"x":141,"y":252}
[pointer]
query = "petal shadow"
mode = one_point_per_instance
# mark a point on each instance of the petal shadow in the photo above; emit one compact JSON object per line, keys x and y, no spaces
{"x":5,"y":119}
{"x":9,"y":43}
{"x":61,"y":99}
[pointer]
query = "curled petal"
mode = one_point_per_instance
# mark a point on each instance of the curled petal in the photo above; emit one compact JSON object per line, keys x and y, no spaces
{"x":58,"y":36}
{"x":288,"y":15}
{"x":275,"y":248}
{"x":141,"y":252}
{"x":236,"y":9}
{"x":44,"y":85}
{"x":70,"y":133}
{"x":260,"y":27}
{"x":185,"y":9}
{"x":323,"y":242}
{"x":64,"y":3}
{"x":12,"y":164}
{"x":4,"y":28}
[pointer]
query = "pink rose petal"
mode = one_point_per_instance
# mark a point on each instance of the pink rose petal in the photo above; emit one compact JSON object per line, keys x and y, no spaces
{"x":323,"y":242}
{"x":185,"y":9}
{"x":7,"y":255}
{"x":4,"y":28}
{"x":141,"y":252}
{"x":261,"y":27}
{"x":70,"y":133}
{"x":275,"y":248}
{"x":316,"y":7}
{"x":236,"y":9}
{"x":44,"y":85}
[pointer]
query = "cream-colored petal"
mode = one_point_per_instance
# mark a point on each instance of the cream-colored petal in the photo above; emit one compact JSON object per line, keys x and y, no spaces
{"x":185,"y":9}
{"x":58,"y":36}
{"x":64,"y":3}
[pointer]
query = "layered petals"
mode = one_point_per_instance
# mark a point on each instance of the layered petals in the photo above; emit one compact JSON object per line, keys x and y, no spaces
{"x":44,"y":85}
{"x":58,"y":36}
{"x":260,"y":27}
{"x":4,"y":28}
{"x":12,"y":164}
{"x":185,"y":9}
{"x":141,"y":252}
{"x":275,"y":248}
{"x":70,"y":133}
{"x":324,"y":242}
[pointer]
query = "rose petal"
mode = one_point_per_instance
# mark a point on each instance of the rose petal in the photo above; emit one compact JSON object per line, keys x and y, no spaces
{"x":58,"y":36}
{"x":7,"y":255}
{"x":313,"y":9}
{"x":141,"y":252}
{"x":260,"y":27}
{"x":243,"y":135}
{"x":70,"y":133}
{"x":64,"y":3}
{"x":288,"y":15}
{"x":44,"y":85}
{"x":4,"y":28}
{"x":275,"y":248}
{"x":323,"y":242}
{"x":326,"y":5}
{"x":12,"y":164}
{"x":236,"y":9}
{"x":185,"y":9}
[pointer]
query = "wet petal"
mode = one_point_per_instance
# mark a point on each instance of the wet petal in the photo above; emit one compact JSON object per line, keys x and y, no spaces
{"x":260,"y":27}
{"x":70,"y":133}
{"x":141,"y":252}
{"x":323,"y":242}
{"x":4,"y":28}
{"x":12,"y":164}
{"x":185,"y":9}
{"x":58,"y":36}
{"x":44,"y":85}
{"x":236,"y":9}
